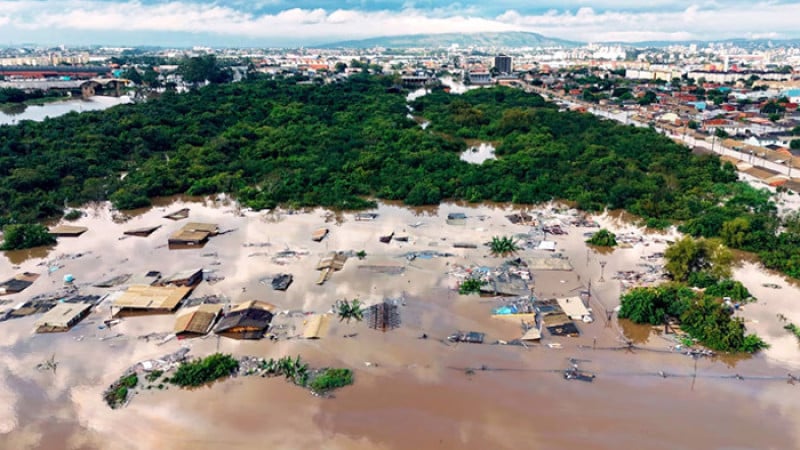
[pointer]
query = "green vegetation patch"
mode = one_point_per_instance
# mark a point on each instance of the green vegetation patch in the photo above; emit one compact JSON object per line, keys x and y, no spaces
{"x":329,"y":379}
{"x":603,"y":238}
{"x":117,"y":394}
{"x":20,"y":236}
{"x":205,"y":370}
{"x":792,"y":328}
{"x":349,"y":310}
{"x":271,"y":142}
{"x":470,"y":286}
{"x":703,"y":314}
{"x":73,"y":214}
{"x":503,"y":246}
{"x":153,"y":376}
{"x":705,"y":318}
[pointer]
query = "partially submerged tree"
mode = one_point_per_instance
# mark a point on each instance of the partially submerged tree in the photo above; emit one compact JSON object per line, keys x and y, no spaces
{"x":503,"y":246}
{"x":20,"y":236}
{"x":690,"y":255}
{"x":347,"y":310}
{"x":603,"y":238}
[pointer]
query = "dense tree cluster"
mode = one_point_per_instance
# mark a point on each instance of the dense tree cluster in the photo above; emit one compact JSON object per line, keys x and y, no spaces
{"x":689,"y":257}
{"x":703,"y":315}
{"x":14,"y":95}
{"x":275,"y":142}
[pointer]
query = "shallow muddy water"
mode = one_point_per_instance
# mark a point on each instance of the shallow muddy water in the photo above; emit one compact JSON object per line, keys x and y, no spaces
{"x":409,"y":392}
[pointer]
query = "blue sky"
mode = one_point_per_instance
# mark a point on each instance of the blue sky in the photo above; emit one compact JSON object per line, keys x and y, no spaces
{"x":308,"y":22}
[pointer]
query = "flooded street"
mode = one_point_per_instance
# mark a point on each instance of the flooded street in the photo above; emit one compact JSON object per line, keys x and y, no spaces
{"x":409,"y":392}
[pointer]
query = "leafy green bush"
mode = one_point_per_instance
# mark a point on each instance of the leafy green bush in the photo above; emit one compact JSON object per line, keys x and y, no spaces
{"x":657,"y":224}
{"x":794,"y":329}
{"x":118,"y":392}
{"x":153,"y":376}
{"x":702,"y":279}
{"x":20,"y":236}
{"x":330,"y":379}
{"x":654,"y":304}
{"x":711,"y":322}
{"x":73,"y":214}
{"x":205,"y":370}
{"x":470,"y":286}
{"x":728,"y":288}
{"x":603,"y":238}
{"x":503,"y":246}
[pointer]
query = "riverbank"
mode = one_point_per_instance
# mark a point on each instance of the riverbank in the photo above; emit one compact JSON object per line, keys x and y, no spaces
{"x":403,"y":382}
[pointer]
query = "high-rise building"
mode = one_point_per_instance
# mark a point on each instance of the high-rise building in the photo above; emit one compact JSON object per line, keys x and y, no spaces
{"x":503,"y":64}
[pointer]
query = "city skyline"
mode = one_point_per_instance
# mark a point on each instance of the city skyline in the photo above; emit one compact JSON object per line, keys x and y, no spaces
{"x":310,"y":22}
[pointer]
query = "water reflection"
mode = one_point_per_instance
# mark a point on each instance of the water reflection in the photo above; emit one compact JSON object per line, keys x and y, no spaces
{"x":17,"y":257}
{"x":636,"y":333}
{"x":409,"y":383}
{"x":14,"y":114}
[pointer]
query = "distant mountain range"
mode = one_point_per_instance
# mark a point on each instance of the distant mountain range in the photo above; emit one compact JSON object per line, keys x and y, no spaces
{"x":521,"y":39}
{"x":510,"y":39}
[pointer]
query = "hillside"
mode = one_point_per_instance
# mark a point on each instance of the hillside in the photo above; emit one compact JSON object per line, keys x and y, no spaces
{"x":510,"y":39}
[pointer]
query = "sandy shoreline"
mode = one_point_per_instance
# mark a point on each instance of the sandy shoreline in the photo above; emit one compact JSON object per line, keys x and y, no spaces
{"x":411,"y":384}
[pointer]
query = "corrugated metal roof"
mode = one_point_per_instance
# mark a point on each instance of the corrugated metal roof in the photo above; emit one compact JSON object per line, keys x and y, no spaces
{"x":152,"y":297}
{"x":62,"y":314}
{"x":198,"y":321}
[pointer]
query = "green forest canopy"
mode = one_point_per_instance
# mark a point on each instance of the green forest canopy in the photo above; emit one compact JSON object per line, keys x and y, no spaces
{"x":275,"y":142}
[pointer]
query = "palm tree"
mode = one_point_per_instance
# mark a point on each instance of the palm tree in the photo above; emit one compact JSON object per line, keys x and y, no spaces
{"x":347,"y":310}
{"x":503,"y":246}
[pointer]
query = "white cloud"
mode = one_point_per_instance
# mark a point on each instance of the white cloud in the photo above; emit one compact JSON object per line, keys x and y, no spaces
{"x":760,"y":19}
{"x":588,"y":23}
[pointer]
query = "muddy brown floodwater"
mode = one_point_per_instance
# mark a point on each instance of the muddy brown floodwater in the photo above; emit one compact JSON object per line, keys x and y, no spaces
{"x":409,"y":392}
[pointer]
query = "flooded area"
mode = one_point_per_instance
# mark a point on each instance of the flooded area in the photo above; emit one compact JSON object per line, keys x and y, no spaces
{"x":472,"y":396}
{"x":17,"y":113}
{"x":478,"y":154}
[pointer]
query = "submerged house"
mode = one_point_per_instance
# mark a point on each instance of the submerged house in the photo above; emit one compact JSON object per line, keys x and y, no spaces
{"x":193,"y":233}
{"x":142,"y":232}
{"x":198,"y":322}
{"x":190,"y":277}
{"x":67,"y":231}
{"x":62,"y":317}
{"x":248,"y":320}
{"x":18,"y":284}
{"x":144,"y":299}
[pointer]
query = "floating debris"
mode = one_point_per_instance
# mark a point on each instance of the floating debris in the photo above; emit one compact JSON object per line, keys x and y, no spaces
{"x":472,"y":337}
{"x":178,"y":215}
{"x":426,"y":254}
{"x":319,"y":234}
{"x":387,"y":270}
{"x":366,"y":217}
{"x":282,"y":281}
